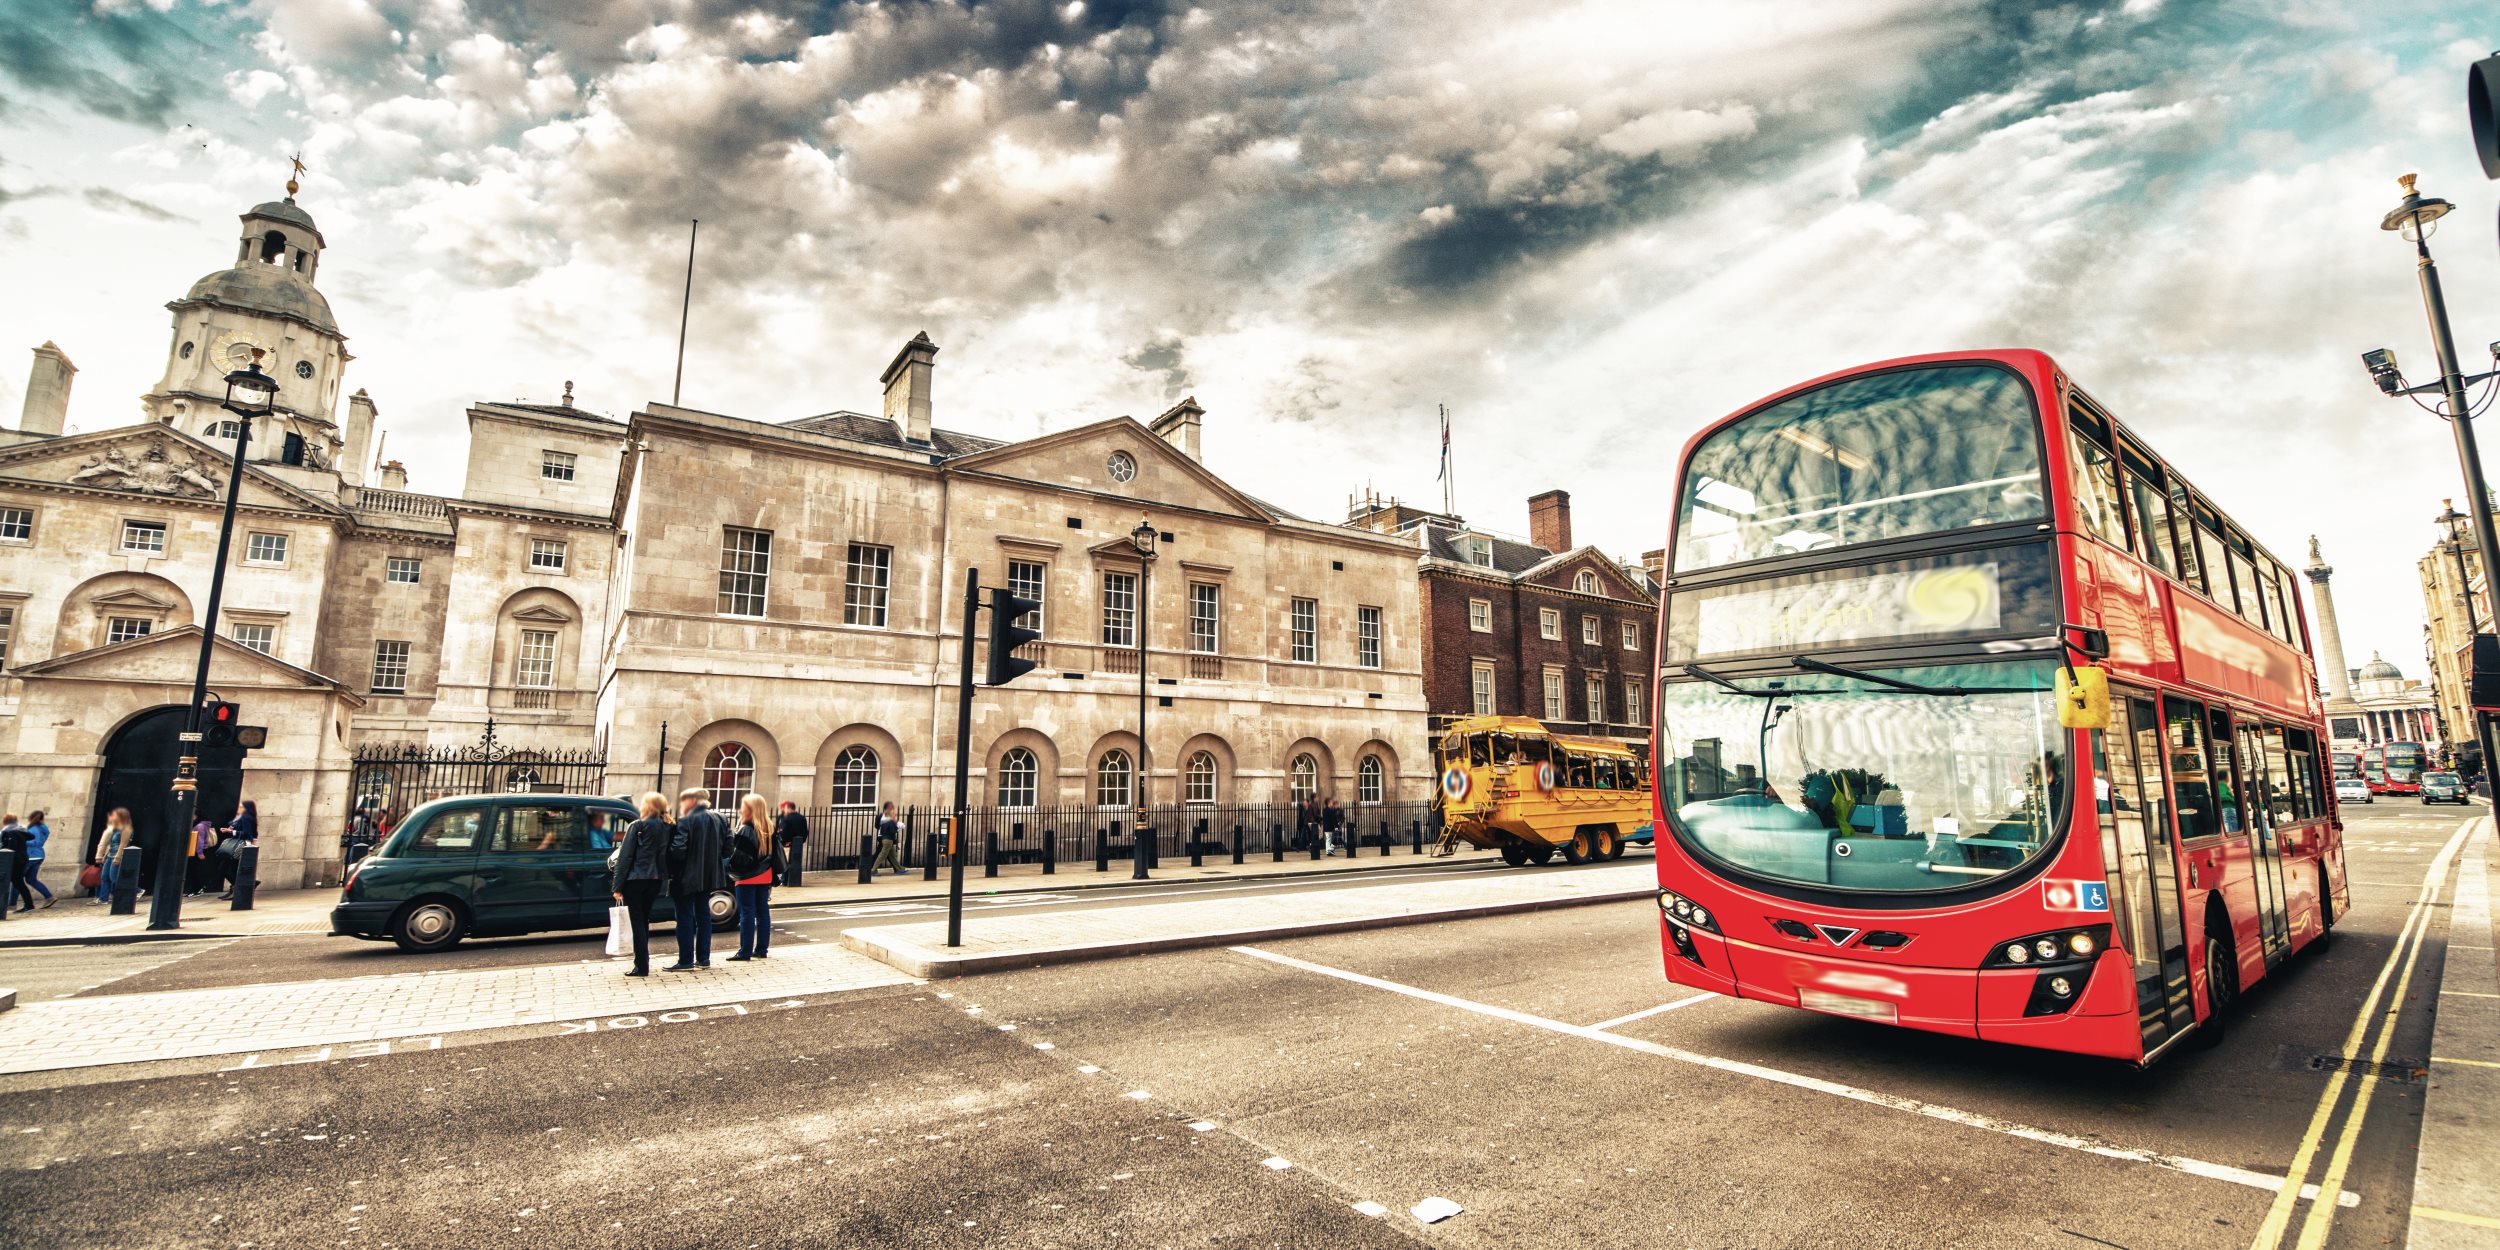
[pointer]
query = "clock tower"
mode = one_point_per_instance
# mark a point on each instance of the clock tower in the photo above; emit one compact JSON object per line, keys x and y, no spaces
{"x":266,"y":300}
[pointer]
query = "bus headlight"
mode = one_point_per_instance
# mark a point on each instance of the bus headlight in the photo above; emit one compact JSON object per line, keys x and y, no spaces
{"x":2082,"y":944}
{"x":2061,"y":946}
{"x":1675,"y":908}
{"x":1701,"y":918}
{"x":2017,"y":953}
{"x":2045,"y":948}
{"x":2063,"y":987}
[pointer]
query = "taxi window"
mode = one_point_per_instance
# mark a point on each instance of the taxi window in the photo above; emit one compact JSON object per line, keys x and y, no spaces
{"x":453,"y":831}
{"x":545,"y":830}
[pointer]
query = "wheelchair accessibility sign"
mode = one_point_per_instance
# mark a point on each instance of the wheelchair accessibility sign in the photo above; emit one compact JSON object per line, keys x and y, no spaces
{"x":2075,"y":895}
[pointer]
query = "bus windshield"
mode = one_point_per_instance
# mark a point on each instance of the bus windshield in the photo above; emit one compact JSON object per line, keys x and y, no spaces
{"x":1840,"y":782}
{"x":1888,"y":455}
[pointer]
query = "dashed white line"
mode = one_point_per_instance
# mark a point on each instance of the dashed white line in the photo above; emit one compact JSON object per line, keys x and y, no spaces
{"x":1704,"y":996}
{"x":1896,"y":1102}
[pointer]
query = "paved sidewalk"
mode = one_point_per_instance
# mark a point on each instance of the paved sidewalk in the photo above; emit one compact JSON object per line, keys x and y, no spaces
{"x":281,"y":912}
{"x":1023,"y":941}
{"x":241,"y":1020}
{"x":2456,"y":1183}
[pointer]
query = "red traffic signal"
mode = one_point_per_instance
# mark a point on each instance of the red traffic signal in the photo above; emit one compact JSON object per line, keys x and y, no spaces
{"x":220,"y":719}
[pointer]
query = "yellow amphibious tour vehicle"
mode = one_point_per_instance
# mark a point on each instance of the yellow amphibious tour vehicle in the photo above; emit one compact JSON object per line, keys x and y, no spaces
{"x":1508,"y":785}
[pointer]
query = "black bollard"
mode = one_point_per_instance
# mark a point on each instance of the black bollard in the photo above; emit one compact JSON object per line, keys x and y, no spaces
{"x":1415,"y":830}
{"x":246,"y":876}
{"x":1050,"y":852}
{"x":1319,"y":843}
{"x":1236,"y":841}
{"x":937,"y":847}
{"x":1197,"y":852}
{"x":1102,"y":850}
{"x":1140,"y":849}
{"x":1276,"y":840}
{"x":126,"y":883}
{"x":867,"y":858}
{"x":989,"y":853}
{"x":1385,"y":842}
{"x":1154,"y":844}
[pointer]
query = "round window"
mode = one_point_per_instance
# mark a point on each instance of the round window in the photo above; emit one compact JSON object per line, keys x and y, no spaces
{"x":303,"y":368}
{"x":1123,"y":466}
{"x":186,"y":350}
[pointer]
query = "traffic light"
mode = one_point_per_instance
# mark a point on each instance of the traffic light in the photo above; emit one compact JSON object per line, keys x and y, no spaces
{"x":2482,"y":110}
{"x":1006,"y":609}
{"x":220,"y":720}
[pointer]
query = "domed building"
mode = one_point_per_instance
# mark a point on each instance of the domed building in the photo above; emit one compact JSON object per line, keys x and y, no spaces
{"x":2384,"y":706}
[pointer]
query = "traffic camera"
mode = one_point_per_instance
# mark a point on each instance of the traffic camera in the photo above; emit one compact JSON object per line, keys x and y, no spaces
{"x":1007,"y":611}
{"x":2382,"y":366}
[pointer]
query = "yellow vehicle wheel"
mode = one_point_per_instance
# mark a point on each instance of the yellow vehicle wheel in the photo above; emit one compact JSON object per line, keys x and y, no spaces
{"x":1541,"y":855}
{"x":1604,"y":844}
{"x":1514,"y":856}
{"x":1579,"y":849}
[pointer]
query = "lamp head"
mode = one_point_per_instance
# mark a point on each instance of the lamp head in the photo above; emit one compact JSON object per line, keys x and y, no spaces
{"x":2417,"y":215}
{"x":1143,"y":537}
{"x":249,"y":392}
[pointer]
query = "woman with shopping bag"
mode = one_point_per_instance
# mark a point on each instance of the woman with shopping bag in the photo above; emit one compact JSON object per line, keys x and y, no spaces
{"x":640,"y":870}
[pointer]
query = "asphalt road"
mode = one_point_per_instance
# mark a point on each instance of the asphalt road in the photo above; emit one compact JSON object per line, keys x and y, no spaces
{"x":1450,"y":1060}
{"x":144,"y":967}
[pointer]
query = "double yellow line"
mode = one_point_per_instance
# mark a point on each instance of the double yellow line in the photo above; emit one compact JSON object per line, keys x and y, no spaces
{"x":2371,"y":1019}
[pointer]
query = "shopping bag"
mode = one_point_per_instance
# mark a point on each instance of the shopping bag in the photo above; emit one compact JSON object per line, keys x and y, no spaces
{"x":620,"y":932}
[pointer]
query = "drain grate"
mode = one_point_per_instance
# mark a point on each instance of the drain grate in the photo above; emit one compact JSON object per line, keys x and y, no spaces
{"x":2403,"y":1071}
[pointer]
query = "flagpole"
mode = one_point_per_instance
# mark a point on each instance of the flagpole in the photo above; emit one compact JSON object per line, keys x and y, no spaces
{"x":1449,"y":482}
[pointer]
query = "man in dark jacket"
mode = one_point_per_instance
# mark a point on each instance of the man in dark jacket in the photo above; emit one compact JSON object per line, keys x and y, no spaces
{"x":696,"y":871}
{"x":790,"y":830}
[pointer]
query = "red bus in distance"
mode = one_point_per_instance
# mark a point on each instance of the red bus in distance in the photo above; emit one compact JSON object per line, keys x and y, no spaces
{"x":1866,"y":803}
{"x":2374,"y":769}
{"x":2401,"y":763}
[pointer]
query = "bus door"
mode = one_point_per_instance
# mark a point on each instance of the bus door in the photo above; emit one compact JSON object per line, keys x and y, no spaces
{"x":2268,"y":812}
{"x":2200,"y":796}
{"x":2140,"y":860}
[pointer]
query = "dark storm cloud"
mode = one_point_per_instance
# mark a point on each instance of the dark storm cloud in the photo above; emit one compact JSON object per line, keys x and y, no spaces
{"x":120,"y":65}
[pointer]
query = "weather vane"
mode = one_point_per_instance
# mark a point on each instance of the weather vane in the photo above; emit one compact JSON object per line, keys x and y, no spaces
{"x":292,"y":186}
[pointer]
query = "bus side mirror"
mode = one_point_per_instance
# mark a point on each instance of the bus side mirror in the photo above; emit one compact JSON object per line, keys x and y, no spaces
{"x":2082,"y":698}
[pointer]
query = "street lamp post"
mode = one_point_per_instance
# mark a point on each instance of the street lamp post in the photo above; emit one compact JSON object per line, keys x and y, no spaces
{"x":249,"y":394}
{"x":2415,"y":218}
{"x":1142,"y":538}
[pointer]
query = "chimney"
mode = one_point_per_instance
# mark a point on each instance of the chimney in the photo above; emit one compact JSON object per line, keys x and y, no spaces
{"x":394,"y":476}
{"x":360,"y":418}
{"x":1179,"y":426}
{"x":1549,"y":520}
{"x":907,"y":387}
{"x":47,"y":392}
{"x":1654,"y":563}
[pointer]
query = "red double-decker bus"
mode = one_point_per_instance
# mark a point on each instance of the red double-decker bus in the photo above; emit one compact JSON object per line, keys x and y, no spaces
{"x":2401,"y":764}
{"x":2374,"y":770}
{"x":1867,"y":802}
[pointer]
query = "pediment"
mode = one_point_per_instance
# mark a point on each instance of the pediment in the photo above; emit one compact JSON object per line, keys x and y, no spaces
{"x":171,"y":657}
{"x":1081,"y":458}
{"x":152,"y":461}
{"x":542,"y":613}
{"x":1562,"y":572}
{"x":133,"y":600}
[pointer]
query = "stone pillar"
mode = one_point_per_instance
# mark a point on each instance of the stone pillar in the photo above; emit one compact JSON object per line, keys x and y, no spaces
{"x":361,"y":416}
{"x":2332,"y":673}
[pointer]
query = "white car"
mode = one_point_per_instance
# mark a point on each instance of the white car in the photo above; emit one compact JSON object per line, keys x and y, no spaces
{"x":2353,"y":792}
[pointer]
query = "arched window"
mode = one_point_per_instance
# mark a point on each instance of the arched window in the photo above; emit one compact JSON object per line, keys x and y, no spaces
{"x":1111,"y":780}
{"x":1585,"y":583}
{"x":855,"y":777}
{"x":224,"y":431}
{"x":729,"y":772}
{"x":1019,"y":778}
{"x":1201,"y":779}
{"x":273,"y":248}
{"x":522,"y":780}
{"x":1305,"y":775}
{"x":1367,"y":780}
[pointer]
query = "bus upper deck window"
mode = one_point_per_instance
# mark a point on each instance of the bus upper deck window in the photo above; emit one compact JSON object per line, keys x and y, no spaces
{"x":1478,"y":753}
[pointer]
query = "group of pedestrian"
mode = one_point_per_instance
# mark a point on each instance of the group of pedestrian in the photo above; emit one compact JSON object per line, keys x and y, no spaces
{"x":1320,"y":824}
{"x":25,"y":843}
{"x":216,"y":855}
{"x":690,"y":858}
{"x":212,"y":854}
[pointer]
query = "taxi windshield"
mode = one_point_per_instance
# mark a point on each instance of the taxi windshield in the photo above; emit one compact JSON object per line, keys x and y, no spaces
{"x":1890,"y":779}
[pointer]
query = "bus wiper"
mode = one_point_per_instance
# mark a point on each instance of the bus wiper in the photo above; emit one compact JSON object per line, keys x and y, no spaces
{"x":1823,"y":666}
{"x":1724,"y":682}
{"x":1811,"y":664}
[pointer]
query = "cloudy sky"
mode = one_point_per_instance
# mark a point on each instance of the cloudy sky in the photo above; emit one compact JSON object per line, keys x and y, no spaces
{"x":1586,"y":227}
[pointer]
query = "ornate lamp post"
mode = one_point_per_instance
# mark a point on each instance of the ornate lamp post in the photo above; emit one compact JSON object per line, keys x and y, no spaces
{"x":249,"y":394}
{"x":2415,"y":218}
{"x":1142,"y":538}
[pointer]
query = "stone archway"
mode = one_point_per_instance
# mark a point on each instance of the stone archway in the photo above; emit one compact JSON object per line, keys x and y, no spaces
{"x":136,"y":770}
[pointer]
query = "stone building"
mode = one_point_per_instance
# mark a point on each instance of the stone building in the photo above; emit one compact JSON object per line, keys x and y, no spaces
{"x":685,"y":596}
{"x":1539,"y":628}
{"x":2372,"y":705}
{"x":2456,"y":604}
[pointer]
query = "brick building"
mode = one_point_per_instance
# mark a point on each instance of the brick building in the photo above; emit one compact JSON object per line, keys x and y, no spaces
{"x":1538,"y":628}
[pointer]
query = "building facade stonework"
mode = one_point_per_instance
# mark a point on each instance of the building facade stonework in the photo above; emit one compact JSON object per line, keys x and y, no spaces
{"x":697,"y":598}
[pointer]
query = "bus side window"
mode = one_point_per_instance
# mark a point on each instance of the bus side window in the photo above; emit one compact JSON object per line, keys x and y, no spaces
{"x":2183,"y":526}
{"x":2096,"y":488}
{"x":2191,"y":786}
{"x":1478,"y":751}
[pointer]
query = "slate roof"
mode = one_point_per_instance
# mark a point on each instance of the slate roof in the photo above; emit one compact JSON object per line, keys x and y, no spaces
{"x":1509,"y":557}
{"x":877,"y":431}
{"x":286,"y":211}
{"x":269,"y":289}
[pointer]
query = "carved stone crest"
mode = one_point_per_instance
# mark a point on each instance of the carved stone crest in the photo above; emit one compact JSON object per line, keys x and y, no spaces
{"x":156,"y":468}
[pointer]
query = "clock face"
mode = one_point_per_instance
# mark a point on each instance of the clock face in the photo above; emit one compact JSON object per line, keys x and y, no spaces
{"x":238,"y":353}
{"x":1123,"y":466}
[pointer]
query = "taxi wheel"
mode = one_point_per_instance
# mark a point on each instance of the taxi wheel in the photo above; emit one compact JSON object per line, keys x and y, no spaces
{"x":724,"y":908}
{"x":429,"y":925}
{"x":1514,"y":856}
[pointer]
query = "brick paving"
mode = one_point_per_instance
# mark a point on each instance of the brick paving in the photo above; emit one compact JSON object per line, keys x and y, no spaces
{"x":235,"y":1020}
{"x":992,"y":943}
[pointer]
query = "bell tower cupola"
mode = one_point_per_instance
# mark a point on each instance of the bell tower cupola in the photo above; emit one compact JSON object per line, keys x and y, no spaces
{"x":265,"y":300}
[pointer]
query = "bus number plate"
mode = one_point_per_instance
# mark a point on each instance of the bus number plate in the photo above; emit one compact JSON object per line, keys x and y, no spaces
{"x":1849,"y":1005}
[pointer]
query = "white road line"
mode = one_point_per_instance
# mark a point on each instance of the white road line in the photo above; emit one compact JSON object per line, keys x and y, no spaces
{"x":1704,"y":996}
{"x":1913,"y":1106}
